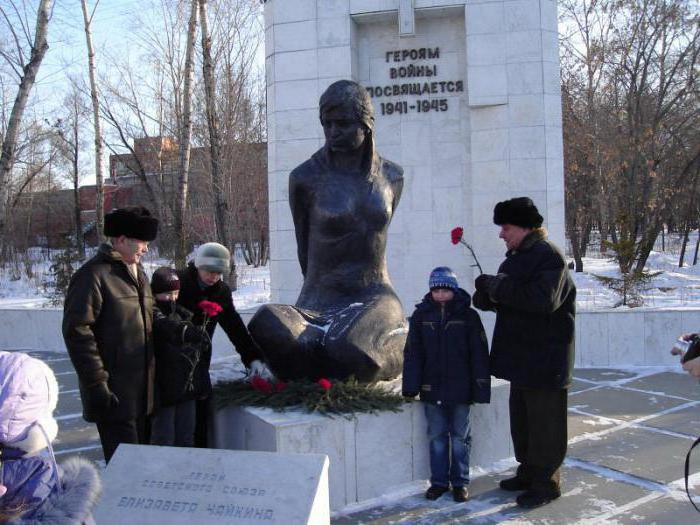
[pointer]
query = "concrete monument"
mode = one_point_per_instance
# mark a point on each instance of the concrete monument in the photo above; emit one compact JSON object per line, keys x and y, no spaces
{"x":467,"y":100}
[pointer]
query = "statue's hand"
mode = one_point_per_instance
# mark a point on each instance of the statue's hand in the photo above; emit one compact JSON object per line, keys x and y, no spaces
{"x":260,"y":369}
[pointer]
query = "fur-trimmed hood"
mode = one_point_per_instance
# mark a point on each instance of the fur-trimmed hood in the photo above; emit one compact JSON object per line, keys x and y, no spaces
{"x":73,"y":500}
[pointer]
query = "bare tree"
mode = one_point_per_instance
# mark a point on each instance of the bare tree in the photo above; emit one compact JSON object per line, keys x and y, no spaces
{"x":220,"y":201}
{"x":185,"y":137}
{"x":99,"y":178}
{"x":584,"y":44}
{"x":26,"y":70}
{"x":631,"y":119}
{"x":150,"y":101}
{"x":69,"y":145}
{"x":232,"y":97}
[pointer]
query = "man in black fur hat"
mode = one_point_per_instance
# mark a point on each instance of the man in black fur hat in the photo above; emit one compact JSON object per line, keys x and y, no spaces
{"x":107,"y":327}
{"x":534,"y":298}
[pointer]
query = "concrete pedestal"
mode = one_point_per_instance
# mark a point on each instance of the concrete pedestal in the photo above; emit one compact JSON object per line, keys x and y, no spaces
{"x":369,"y":455}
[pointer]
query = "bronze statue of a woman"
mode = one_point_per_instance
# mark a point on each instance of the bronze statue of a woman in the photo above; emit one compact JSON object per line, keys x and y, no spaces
{"x":347,"y":320}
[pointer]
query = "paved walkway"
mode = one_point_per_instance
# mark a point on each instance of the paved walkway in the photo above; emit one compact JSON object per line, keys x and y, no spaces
{"x":629,"y":431}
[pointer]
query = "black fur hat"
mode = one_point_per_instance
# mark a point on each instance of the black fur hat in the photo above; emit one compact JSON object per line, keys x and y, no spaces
{"x":520,"y":211}
{"x":133,"y":221}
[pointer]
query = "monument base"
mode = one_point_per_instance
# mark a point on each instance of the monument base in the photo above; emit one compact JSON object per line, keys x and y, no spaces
{"x":370,"y":454}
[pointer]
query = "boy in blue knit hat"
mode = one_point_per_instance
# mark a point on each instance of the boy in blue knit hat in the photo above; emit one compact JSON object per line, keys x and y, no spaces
{"x":446,"y":362}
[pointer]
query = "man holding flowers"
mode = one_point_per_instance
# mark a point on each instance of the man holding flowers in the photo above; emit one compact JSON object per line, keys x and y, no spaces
{"x":534,"y":298}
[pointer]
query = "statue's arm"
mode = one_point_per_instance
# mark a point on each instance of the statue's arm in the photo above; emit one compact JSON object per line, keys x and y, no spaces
{"x":394,"y":174}
{"x":300,"y":213}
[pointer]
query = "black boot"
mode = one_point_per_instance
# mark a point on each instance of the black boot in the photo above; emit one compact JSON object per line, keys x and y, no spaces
{"x":544,"y":487}
{"x":460,"y":494}
{"x":533,"y":499}
{"x":514,"y":484}
{"x":435,"y":491}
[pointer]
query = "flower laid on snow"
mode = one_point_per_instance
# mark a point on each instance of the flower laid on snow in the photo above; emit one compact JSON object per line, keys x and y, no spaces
{"x":457,"y":235}
{"x":343,"y":398}
{"x":260,"y":384}
{"x":210,"y":308}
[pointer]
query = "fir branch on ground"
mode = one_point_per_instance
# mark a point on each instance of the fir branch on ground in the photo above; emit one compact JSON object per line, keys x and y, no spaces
{"x":343,"y":398}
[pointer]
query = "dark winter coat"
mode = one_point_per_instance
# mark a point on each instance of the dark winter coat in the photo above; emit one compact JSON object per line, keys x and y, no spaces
{"x":191,"y":293}
{"x":534,"y":298}
{"x":446,"y":357}
{"x":181,"y":374}
{"x":107,"y":328}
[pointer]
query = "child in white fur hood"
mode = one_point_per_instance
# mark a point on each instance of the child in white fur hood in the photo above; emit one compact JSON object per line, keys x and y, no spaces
{"x":33,"y":488}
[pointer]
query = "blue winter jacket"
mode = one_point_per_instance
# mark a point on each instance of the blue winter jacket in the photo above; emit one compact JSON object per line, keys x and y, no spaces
{"x":30,"y":480}
{"x":446,"y":358}
{"x":39,"y":491}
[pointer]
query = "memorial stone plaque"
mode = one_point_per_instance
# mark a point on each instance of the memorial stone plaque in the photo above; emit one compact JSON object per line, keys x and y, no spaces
{"x":156,"y":485}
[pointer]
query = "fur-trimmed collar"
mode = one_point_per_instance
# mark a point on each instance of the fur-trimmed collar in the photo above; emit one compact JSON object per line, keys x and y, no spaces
{"x":73,"y":502}
{"x":536,"y":235}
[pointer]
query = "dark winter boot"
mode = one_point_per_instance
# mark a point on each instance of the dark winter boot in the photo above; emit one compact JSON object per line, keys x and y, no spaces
{"x":460,"y":494}
{"x":533,"y":499}
{"x":543,"y":489}
{"x":514,"y":484}
{"x":435,"y":491}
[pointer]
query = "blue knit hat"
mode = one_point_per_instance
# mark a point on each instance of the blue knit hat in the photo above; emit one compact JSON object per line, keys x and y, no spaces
{"x":443,"y":277}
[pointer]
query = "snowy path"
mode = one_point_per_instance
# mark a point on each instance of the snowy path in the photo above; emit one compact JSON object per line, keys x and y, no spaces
{"x":629,"y":431}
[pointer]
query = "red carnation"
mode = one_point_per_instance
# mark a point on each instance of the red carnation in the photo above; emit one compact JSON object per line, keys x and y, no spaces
{"x":457,"y":234}
{"x":325,"y":384}
{"x":261,"y":385}
{"x":280,"y":386}
{"x":210,"y":308}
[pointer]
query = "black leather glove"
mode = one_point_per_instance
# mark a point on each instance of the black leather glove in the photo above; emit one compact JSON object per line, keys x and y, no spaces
{"x":193,"y":335}
{"x":483,"y":282}
{"x":100,"y":397}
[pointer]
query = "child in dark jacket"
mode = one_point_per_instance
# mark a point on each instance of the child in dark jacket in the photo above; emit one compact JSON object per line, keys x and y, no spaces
{"x":182,"y":353}
{"x":446,"y":362}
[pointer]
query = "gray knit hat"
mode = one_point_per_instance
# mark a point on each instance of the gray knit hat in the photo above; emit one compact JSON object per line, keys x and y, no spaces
{"x":213,"y":257}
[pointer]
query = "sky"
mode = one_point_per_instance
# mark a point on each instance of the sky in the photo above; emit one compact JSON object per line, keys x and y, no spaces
{"x":67,"y":53}
{"x":115,"y":26}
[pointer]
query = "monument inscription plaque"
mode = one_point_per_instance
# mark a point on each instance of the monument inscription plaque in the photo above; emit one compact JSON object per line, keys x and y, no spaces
{"x":149,"y":484}
{"x":411,"y":73}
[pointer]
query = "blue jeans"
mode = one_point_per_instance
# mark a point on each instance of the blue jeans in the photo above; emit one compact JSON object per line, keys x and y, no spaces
{"x":449,"y":424}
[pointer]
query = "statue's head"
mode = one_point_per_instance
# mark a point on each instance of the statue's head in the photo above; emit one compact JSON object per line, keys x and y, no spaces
{"x":347,"y":116}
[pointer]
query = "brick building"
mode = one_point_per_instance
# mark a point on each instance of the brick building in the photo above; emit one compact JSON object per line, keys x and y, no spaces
{"x":148,"y":176}
{"x":151,"y":172}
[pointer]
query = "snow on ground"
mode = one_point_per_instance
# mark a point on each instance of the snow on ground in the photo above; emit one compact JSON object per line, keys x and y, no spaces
{"x":675,"y":287}
{"x":23,"y":283}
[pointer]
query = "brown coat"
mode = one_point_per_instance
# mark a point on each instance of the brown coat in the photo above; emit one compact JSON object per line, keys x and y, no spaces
{"x":107,"y":328}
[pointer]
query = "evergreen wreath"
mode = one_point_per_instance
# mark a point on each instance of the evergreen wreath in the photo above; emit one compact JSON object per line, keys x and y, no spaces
{"x":344,"y":398}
